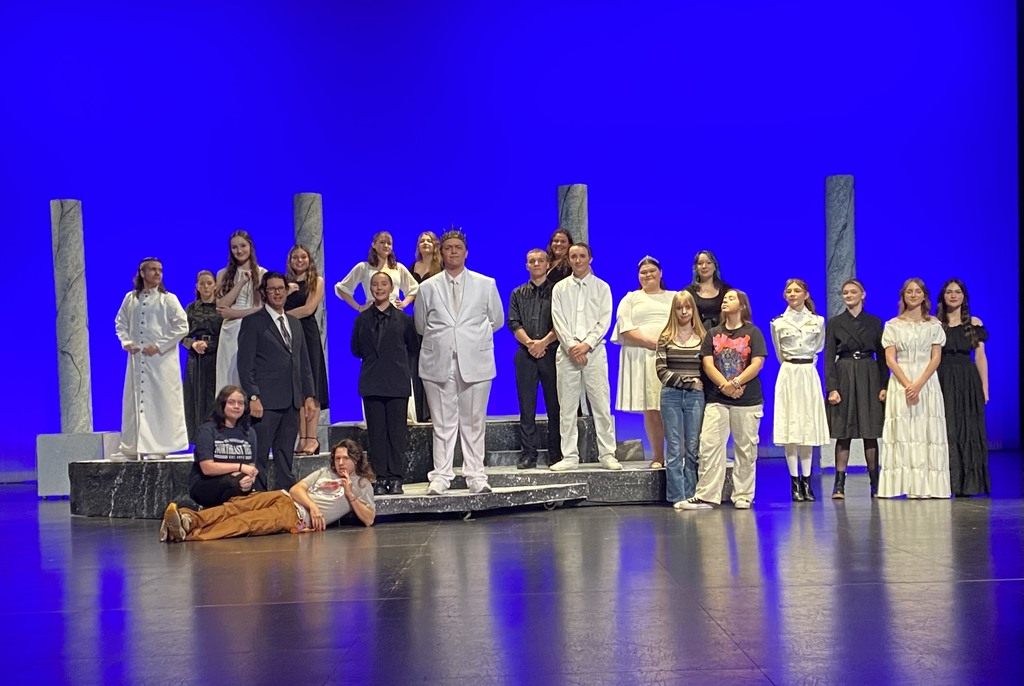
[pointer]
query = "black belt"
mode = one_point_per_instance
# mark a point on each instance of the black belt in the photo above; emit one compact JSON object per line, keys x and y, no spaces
{"x":205,"y":338}
{"x":800,"y":361}
{"x":857,"y":355}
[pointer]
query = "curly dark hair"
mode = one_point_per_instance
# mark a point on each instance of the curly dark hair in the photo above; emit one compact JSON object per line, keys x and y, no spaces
{"x":942,"y":312}
{"x":358,"y":455}
{"x":373,"y":259}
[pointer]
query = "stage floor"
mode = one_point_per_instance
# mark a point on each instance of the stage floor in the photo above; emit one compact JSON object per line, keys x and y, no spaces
{"x":855,"y":591}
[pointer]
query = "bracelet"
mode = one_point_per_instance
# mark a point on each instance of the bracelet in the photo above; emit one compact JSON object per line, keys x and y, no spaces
{"x":736,"y":383}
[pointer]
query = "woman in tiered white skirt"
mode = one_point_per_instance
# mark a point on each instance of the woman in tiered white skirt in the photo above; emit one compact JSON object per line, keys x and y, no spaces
{"x":915,"y":452}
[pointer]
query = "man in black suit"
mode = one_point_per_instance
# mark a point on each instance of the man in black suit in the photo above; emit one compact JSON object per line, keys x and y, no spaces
{"x":274,"y":372}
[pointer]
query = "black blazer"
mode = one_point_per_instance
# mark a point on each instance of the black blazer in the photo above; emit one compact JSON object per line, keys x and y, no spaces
{"x":266,"y":368}
{"x":385,"y":370}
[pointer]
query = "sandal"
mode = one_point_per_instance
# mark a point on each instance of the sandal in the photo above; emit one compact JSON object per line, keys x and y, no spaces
{"x":308,"y":453}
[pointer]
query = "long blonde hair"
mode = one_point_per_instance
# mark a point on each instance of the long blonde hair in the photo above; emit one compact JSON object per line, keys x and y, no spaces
{"x":672,"y":327}
{"x":435,"y":257}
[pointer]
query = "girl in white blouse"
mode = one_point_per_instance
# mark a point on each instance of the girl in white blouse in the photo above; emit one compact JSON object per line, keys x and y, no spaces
{"x":381,"y":259}
{"x":798,"y":335}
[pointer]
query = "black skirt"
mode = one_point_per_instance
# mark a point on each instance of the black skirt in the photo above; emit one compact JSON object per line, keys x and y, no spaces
{"x":860,"y":414}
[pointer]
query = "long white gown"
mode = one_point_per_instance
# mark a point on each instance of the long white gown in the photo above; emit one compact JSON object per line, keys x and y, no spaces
{"x":227,"y":345}
{"x":639,"y":387}
{"x":153,"y":407}
{"x":914,"y":455}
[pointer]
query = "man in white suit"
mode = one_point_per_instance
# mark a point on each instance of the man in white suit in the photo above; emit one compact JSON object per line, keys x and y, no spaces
{"x":457,"y":313}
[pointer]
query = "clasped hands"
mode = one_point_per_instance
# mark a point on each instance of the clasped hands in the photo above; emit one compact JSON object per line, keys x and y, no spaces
{"x":149,"y":349}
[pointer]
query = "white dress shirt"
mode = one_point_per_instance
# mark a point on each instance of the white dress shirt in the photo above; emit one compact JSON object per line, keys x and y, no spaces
{"x":581,"y":310}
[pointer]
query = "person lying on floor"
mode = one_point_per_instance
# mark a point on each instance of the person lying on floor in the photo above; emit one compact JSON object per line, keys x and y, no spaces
{"x":322,"y":498}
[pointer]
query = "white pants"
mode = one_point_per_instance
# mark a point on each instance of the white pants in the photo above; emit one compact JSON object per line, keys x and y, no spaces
{"x":719,"y":421}
{"x":572,"y":380}
{"x":457,"y":409}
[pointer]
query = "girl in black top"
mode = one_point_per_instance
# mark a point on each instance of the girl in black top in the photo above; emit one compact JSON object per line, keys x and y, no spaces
{"x":856,"y":377}
{"x":201,"y":342}
{"x":558,"y":255}
{"x":964,"y":390}
{"x":707,"y":288}
{"x":305,"y":293}
{"x":224,"y":465}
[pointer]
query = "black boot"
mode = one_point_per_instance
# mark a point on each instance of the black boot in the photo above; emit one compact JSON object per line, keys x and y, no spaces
{"x":794,"y":482}
{"x":839,"y":488}
{"x":380,"y":487}
{"x":805,"y":489}
{"x":395,"y":487}
{"x":873,"y":478}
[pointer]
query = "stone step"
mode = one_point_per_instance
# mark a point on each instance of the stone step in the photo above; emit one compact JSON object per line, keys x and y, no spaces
{"x":141,"y":490}
{"x":416,"y":500}
{"x":631,"y":450}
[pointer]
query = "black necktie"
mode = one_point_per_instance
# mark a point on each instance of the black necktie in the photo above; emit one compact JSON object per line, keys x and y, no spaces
{"x":382,"y":322}
{"x":284,"y":332}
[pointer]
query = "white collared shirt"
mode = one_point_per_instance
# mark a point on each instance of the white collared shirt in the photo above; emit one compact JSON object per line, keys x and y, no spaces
{"x":798,"y":335}
{"x":581,"y":310}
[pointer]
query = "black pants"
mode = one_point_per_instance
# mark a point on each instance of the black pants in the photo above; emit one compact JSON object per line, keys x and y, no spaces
{"x":276,"y":429}
{"x":387,"y":433}
{"x":530,"y":371}
{"x":418,"y":396}
{"x":211,"y":491}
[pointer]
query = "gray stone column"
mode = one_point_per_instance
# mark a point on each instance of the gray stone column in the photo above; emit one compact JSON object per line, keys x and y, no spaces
{"x":840,"y":265}
{"x":73,"y":370}
{"x":840,"y":247}
{"x":572,"y":211}
{"x":308,"y":213}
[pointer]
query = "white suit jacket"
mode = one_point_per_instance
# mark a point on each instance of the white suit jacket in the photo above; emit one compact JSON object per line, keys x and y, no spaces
{"x":469,"y":336}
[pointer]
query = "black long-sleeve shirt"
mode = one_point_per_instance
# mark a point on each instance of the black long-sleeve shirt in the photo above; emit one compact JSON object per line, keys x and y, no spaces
{"x":529,"y":308}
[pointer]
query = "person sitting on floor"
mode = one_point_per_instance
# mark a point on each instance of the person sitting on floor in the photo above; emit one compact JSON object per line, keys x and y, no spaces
{"x":224,"y":465}
{"x":322,"y":498}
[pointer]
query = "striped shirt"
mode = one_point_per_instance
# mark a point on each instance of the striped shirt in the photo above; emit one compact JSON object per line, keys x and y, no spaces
{"x":678,"y":366}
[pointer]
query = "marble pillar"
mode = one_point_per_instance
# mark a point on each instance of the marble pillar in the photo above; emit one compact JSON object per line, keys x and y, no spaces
{"x":840,"y":265}
{"x":308,"y":214}
{"x":840,"y":247}
{"x":73,"y":370}
{"x":572,"y":211}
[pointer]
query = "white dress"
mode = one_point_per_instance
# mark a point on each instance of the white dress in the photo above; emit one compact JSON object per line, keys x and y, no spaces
{"x":153,"y":407}
{"x":227,"y":345}
{"x":800,"y":417}
{"x":914,"y":457}
{"x":639,"y":386}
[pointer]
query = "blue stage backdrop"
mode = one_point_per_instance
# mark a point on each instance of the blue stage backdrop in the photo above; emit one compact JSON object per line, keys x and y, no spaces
{"x":695,"y":124}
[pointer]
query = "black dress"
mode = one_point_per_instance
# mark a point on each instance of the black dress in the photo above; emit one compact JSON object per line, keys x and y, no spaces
{"x":709,"y":309}
{"x":965,"y":413}
{"x":559,"y":272}
{"x":419,"y":397}
{"x":855,"y":366}
{"x":200,"y":387}
{"x":311,"y":334}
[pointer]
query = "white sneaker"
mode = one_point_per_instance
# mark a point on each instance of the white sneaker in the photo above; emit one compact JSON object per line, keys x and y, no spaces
{"x":692,"y":504}
{"x":154,"y":456}
{"x":437,"y":488}
{"x":565,"y":465}
{"x":610,"y":463}
{"x":480,"y":487}
{"x":119,"y":457}
{"x":742,"y":504}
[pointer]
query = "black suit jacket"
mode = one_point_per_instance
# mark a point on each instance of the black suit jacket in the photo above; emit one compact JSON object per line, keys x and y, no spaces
{"x":266,"y":368}
{"x":385,"y":370}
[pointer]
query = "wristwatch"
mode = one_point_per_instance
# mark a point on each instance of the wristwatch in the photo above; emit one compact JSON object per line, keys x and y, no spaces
{"x":253,"y":398}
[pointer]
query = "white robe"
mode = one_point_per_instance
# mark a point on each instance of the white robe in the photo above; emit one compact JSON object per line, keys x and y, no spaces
{"x":153,"y":408}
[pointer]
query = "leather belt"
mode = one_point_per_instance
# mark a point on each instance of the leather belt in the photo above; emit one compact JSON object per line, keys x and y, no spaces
{"x":857,"y":355}
{"x":800,"y":361}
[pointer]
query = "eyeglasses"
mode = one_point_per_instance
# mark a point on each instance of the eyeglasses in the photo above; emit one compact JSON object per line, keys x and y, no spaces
{"x":276,"y":289}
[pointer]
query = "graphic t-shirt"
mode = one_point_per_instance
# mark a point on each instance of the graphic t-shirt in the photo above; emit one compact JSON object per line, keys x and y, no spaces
{"x":733,"y":351}
{"x":326,"y":491}
{"x":230,"y":444}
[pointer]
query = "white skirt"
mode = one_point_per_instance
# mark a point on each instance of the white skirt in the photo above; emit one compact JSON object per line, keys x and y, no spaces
{"x":639,"y":387}
{"x":799,"y":406}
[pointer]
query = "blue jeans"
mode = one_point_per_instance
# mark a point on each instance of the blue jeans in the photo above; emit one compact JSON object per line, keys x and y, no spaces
{"x":682,"y":412}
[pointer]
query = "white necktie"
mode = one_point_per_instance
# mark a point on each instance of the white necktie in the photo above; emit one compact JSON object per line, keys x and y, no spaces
{"x":284,"y":332}
{"x":456,"y":301}
{"x":580,"y":328}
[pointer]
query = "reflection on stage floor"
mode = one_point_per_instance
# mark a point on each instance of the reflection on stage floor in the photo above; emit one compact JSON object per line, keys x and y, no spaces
{"x":855,"y":591}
